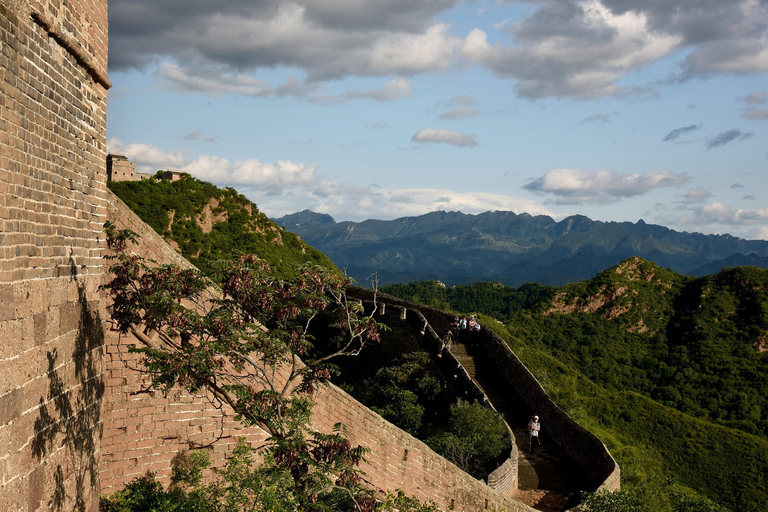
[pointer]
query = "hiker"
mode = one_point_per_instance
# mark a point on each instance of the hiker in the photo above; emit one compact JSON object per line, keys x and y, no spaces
{"x":455,"y":327}
{"x":462,"y":328}
{"x":447,"y":341}
{"x":473,"y":326}
{"x":533,"y":433}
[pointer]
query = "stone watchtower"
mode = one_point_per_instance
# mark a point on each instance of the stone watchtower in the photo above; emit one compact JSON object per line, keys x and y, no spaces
{"x":119,"y":168}
{"x":53,"y":91}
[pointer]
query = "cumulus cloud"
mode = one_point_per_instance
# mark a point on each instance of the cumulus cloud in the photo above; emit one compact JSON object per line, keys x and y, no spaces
{"x":572,"y":48}
{"x":596,"y":118}
{"x":573,"y":186}
{"x":697,"y":195}
{"x":395,"y":89}
{"x":345,"y":201}
{"x":721,"y":218}
{"x":457,"y":114}
{"x":755,"y":114}
{"x":195,"y":135}
{"x":726,"y":137}
{"x":444,"y":136}
{"x":678,"y":132}
{"x":561,"y":48}
{"x":325,"y":39}
{"x":718,"y":213}
{"x":213,"y":82}
{"x":251,"y":172}
{"x":463,"y":100}
{"x":148,"y":158}
{"x":755,"y":98}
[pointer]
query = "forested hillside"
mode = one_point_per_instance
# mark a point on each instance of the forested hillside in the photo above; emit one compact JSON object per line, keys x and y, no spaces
{"x":670,"y":371}
{"x":207,"y":224}
{"x":458,"y":248}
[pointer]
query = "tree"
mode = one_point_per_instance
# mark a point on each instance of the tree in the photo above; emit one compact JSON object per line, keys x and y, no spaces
{"x":244,"y":339}
{"x":477,"y":438}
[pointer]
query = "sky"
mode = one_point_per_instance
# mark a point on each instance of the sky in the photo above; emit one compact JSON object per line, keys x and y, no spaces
{"x":619,"y":110}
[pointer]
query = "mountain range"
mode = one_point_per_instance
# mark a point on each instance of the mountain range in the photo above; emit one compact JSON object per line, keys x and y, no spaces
{"x":510,"y":248}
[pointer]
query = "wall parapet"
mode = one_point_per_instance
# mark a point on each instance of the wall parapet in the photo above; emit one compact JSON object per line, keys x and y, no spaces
{"x":578,"y":442}
{"x":505,"y":478}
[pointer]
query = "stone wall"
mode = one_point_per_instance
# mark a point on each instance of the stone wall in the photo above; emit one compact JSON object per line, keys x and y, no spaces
{"x":146,"y":432}
{"x":505,"y":478}
{"x":578,"y":442}
{"x":119,"y":168}
{"x":52,"y":148}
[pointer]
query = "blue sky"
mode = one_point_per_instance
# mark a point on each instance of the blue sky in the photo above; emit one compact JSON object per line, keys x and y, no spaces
{"x":614,"y":109}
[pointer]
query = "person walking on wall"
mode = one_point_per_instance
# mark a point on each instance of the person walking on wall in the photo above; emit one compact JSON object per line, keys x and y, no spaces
{"x":534,"y":427}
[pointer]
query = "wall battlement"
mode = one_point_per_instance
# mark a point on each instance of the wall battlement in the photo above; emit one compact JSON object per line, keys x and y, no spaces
{"x":580,"y":444}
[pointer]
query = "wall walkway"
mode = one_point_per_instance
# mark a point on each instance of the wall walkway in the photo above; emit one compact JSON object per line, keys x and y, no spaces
{"x":575,"y":447}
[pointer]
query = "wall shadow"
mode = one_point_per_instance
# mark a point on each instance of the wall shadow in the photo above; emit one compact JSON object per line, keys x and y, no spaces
{"x":70,"y":416}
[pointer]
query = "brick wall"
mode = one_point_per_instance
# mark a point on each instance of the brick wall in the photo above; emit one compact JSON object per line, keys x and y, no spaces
{"x":52,"y":149}
{"x":578,"y":442}
{"x":145,"y":432}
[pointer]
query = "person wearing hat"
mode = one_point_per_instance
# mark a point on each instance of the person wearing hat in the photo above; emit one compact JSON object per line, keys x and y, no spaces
{"x":533,"y":431}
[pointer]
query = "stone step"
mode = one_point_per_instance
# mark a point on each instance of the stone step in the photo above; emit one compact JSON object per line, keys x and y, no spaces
{"x":546,"y":478}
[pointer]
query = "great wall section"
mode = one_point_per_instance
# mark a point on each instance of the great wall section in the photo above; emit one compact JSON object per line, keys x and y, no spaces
{"x":70,"y":426}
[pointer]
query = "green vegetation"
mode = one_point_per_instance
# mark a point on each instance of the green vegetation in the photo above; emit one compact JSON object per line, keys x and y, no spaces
{"x":476,"y":438}
{"x":249,"y":347}
{"x":669,"y":371}
{"x":399,"y":381}
{"x":210,"y":224}
{"x":242,"y":485}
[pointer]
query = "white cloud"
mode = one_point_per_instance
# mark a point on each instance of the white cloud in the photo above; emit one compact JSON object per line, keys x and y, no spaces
{"x":211,"y":82}
{"x":395,"y":89}
{"x":755,"y":98}
{"x":444,"y":136}
{"x":251,"y":172}
{"x":149,"y":158}
{"x":344,"y":201}
{"x":573,"y":186}
{"x":755,"y":114}
{"x":718,"y":213}
{"x":220,"y":171}
{"x":572,"y":49}
{"x":560,"y":48}
{"x":457,"y":114}
{"x":697,"y":195}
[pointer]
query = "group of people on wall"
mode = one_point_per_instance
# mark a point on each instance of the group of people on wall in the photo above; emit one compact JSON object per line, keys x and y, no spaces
{"x":463,"y":329}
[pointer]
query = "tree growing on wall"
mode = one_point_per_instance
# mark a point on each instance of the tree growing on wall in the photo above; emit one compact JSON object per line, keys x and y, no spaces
{"x":245,"y":340}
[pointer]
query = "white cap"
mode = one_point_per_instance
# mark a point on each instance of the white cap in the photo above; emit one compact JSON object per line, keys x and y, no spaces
{"x":535,"y":417}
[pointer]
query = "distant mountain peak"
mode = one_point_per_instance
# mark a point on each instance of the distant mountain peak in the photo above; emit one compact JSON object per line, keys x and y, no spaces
{"x":510,"y":248}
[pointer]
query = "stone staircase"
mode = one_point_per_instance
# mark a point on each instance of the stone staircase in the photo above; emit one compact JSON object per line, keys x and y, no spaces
{"x":549,"y":480}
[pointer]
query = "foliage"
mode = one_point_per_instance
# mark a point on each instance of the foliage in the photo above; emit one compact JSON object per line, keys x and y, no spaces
{"x":399,"y":381}
{"x":401,"y":391}
{"x":242,"y":484}
{"x":179,"y":210}
{"x":662,"y":367}
{"x":617,"y":501}
{"x":243,"y":343}
{"x":476,"y":439}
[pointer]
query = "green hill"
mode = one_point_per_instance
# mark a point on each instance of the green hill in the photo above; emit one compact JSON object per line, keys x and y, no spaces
{"x":670,"y":371}
{"x":206,"y":223}
{"x":513,"y":249}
